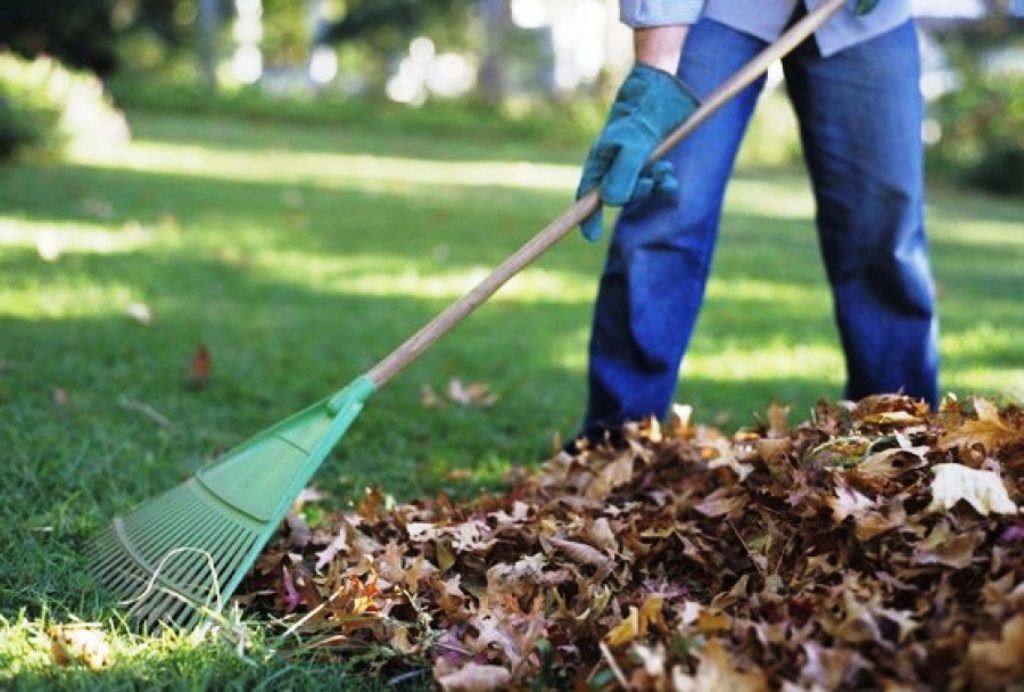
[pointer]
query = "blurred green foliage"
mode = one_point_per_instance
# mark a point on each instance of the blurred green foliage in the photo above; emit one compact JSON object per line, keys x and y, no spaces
{"x":981,"y":119}
{"x":982,"y":125}
{"x":46,"y":107}
{"x":567,"y":127}
{"x":79,"y":33}
{"x":148,"y":53}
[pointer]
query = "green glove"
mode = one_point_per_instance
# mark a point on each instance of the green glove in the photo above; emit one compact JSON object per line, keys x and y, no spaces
{"x":649,"y":105}
{"x":862,"y":7}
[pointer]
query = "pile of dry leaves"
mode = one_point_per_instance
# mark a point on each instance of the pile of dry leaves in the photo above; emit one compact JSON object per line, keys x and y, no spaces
{"x":877,"y":546}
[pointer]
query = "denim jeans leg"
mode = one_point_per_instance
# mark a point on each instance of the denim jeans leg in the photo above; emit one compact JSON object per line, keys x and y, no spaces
{"x":659,"y":255}
{"x":860,"y":117}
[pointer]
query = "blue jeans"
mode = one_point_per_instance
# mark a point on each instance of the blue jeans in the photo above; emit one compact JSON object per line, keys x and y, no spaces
{"x":860,"y":125}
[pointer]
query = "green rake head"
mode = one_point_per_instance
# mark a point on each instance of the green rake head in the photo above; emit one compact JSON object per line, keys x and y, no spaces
{"x":181,"y":555}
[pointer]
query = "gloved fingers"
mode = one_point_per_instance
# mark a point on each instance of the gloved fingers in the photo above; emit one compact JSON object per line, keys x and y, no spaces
{"x":594,"y":169}
{"x":620,"y":182}
{"x":593,"y":225}
{"x":656,"y":178}
{"x":645,"y":185}
{"x":863,"y":7}
{"x":662,"y":177}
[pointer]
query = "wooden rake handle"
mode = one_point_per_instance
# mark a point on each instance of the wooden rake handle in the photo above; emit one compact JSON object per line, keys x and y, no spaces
{"x":419,"y":342}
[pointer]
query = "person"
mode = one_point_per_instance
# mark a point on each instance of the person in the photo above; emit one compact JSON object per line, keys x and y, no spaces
{"x":854,"y":87}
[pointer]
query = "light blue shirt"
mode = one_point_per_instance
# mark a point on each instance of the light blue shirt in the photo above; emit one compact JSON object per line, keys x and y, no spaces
{"x":766,"y":19}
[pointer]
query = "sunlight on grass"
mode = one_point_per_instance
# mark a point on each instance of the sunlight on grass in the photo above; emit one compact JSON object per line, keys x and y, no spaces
{"x":53,"y":238}
{"x":983,"y":337}
{"x":331,"y":169}
{"x":763,"y":196}
{"x":979,"y":231}
{"x":361,"y":274}
{"x":978,"y":342}
{"x":46,"y":300}
{"x":773,"y":360}
{"x":770,"y":292}
{"x":53,"y":292}
{"x":974,"y":380}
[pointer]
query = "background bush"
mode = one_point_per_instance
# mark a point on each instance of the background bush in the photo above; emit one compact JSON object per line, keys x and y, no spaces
{"x":982,"y":133}
{"x":46,"y":108}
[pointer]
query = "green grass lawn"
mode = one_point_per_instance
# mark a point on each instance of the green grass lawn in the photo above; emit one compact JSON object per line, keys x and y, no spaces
{"x":301,"y":256}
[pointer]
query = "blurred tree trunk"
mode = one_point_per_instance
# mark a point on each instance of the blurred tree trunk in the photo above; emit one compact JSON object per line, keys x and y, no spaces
{"x":495,"y":17}
{"x":618,"y":50}
{"x":208,"y":21}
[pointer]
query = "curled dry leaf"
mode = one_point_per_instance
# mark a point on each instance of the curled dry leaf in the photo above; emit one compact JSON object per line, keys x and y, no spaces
{"x":894,"y":462}
{"x":983,"y":490}
{"x":581,"y":553}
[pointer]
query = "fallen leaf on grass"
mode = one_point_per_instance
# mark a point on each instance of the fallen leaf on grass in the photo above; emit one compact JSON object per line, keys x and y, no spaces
{"x":472,"y":395}
{"x":199,"y":367}
{"x":139,"y":312}
{"x":79,"y":644}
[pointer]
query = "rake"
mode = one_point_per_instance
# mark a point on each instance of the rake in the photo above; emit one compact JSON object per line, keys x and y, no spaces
{"x":177,"y":558}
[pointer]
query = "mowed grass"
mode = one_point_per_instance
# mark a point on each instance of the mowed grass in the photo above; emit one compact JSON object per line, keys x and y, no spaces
{"x":301,"y":256}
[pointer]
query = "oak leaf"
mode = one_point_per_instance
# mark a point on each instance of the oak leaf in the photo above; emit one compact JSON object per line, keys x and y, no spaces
{"x":988,"y":430}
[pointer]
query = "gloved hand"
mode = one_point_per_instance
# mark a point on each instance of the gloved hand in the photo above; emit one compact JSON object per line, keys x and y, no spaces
{"x":649,"y":105}
{"x":862,"y":7}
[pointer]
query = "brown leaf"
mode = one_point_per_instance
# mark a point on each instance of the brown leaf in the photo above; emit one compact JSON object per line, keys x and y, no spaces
{"x":894,"y":410}
{"x":896,"y":461}
{"x":199,"y":367}
{"x":946,"y":548}
{"x":847,"y":502}
{"x":581,"y":553}
{"x":473,"y":395}
{"x":988,"y":430}
{"x":475,"y":677}
{"x":716,"y":672}
{"x":775,"y":454}
{"x":996,"y":664}
{"x":722,"y":502}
